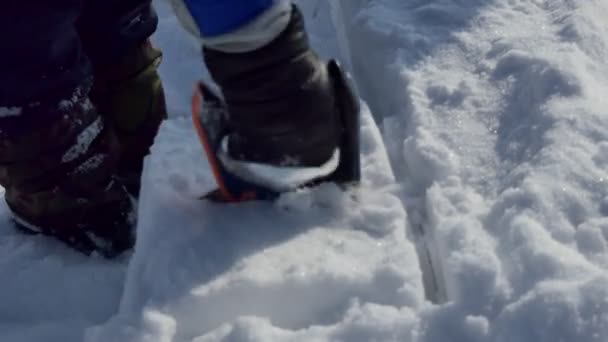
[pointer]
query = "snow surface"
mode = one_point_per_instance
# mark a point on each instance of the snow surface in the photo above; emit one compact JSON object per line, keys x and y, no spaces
{"x":10,"y":111}
{"x":494,"y":118}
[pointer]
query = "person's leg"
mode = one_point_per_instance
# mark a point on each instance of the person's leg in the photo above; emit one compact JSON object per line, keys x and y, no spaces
{"x":57,"y":155}
{"x":42,"y":58}
{"x":127,"y":88}
{"x":281,"y":105}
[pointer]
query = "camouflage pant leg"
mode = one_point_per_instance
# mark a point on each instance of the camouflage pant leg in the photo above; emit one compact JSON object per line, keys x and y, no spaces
{"x":127,"y":88}
{"x":56,"y":163}
{"x":130,"y":97}
{"x":57,"y":155}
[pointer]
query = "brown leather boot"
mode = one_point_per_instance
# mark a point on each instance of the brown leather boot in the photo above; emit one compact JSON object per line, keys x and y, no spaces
{"x":280,"y":101}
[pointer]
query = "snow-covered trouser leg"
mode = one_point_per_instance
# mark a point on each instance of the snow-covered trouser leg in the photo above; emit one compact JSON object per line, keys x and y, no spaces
{"x":58,"y":156}
{"x":281,"y":105}
{"x":127,"y":89}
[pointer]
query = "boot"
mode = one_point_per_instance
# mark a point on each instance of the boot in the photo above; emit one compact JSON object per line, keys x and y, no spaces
{"x":290,"y":119}
{"x":279,"y":100}
{"x":56,"y":164}
{"x":129,"y":95}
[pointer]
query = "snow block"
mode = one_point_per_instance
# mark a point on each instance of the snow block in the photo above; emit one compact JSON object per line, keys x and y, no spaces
{"x":304,"y":260}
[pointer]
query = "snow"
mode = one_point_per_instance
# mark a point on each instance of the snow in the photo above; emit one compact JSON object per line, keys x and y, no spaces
{"x":10,"y":111}
{"x":283,"y":178}
{"x":311,"y":258}
{"x":49,"y":293}
{"x":83,"y":141}
{"x":493,"y":115}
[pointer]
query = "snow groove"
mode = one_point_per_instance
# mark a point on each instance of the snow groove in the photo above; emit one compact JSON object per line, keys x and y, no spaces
{"x":502,"y":136}
{"x":375,"y":87}
{"x":493,"y":113}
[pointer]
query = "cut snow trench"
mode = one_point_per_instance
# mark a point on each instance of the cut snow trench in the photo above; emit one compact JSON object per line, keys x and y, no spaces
{"x":428,"y":256}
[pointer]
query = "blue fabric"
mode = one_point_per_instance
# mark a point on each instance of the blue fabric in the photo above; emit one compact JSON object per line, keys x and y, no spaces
{"x":216,"y":17}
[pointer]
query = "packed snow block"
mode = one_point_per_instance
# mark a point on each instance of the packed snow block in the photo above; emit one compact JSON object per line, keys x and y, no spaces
{"x":49,"y":292}
{"x":305,"y":260}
